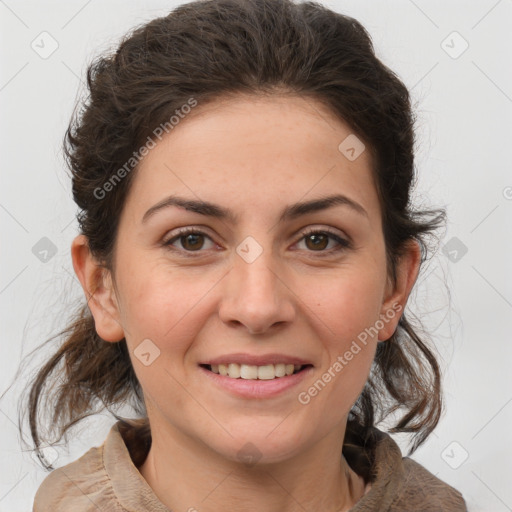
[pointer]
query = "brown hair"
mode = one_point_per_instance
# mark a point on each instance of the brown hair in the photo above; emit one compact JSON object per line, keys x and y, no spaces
{"x":208,"y":49}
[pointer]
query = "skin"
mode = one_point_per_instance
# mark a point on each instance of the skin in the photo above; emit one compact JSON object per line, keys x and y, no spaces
{"x":254,"y":155}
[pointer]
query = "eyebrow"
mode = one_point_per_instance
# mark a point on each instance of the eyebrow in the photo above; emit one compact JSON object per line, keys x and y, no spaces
{"x":290,"y":212}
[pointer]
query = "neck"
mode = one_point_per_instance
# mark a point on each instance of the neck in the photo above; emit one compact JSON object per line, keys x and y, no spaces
{"x":186,"y":475}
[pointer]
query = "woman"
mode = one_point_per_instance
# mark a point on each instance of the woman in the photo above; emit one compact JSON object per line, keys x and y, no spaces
{"x":247,"y":247}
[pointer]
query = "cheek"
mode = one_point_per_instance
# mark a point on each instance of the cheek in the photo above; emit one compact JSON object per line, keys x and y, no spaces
{"x":158,"y":303}
{"x":349,"y":345}
{"x":162,"y":307}
{"x":346,"y":313}
{"x":348,"y":306}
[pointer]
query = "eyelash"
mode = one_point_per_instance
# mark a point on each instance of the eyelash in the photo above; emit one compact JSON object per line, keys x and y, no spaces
{"x":343,"y":243}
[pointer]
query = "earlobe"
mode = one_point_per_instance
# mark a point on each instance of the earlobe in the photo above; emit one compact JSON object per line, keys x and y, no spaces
{"x":96,"y":282}
{"x":397,"y":293}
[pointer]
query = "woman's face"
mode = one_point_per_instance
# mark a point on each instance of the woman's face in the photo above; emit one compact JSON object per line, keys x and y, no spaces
{"x":254,"y":282}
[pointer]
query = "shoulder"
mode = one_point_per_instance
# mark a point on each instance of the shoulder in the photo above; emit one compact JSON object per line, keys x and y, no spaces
{"x":421,"y":490}
{"x":397,"y":483}
{"x":81,"y":486}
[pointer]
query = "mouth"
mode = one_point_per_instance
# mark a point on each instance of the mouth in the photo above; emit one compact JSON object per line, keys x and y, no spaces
{"x":252,"y":372}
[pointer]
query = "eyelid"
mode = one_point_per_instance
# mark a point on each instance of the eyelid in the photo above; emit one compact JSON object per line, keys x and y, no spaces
{"x":173,"y":233}
{"x":324,"y":229}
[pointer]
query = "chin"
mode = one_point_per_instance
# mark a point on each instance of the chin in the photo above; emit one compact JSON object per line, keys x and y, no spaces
{"x":263,"y":446}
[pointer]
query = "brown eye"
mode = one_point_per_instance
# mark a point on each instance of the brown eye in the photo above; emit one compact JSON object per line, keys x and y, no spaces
{"x":318,"y":241}
{"x":191,"y":240}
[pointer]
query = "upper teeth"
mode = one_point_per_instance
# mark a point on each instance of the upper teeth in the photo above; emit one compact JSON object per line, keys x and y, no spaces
{"x":246,"y":371}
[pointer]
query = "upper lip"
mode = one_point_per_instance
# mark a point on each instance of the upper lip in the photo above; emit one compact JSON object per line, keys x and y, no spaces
{"x":256,"y":360}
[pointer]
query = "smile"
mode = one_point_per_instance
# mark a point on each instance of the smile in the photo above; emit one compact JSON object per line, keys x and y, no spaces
{"x":252,"y":372}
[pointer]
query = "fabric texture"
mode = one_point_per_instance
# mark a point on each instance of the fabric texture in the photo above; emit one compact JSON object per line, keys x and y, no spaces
{"x":106,"y":478}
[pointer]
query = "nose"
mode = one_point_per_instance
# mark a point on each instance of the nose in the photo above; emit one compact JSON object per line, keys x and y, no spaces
{"x":256,"y":295}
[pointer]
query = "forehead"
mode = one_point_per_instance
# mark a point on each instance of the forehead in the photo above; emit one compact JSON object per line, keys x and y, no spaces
{"x":254,"y":152}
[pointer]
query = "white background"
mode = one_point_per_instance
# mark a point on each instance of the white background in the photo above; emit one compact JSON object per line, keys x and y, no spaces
{"x":464,"y":108}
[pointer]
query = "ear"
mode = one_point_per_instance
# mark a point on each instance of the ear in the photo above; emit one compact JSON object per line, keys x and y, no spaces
{"x":96,"y":282}
{"x":396,"y":294}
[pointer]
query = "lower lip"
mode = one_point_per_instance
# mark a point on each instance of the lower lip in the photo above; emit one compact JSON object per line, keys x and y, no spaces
{"x":256,"y":388}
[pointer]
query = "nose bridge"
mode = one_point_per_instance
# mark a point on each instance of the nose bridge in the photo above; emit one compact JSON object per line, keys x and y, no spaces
{"x":254,"y":295}
{"x":257,"y":277}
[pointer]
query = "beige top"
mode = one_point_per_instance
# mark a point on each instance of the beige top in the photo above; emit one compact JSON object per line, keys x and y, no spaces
{"x":106,"y":478}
